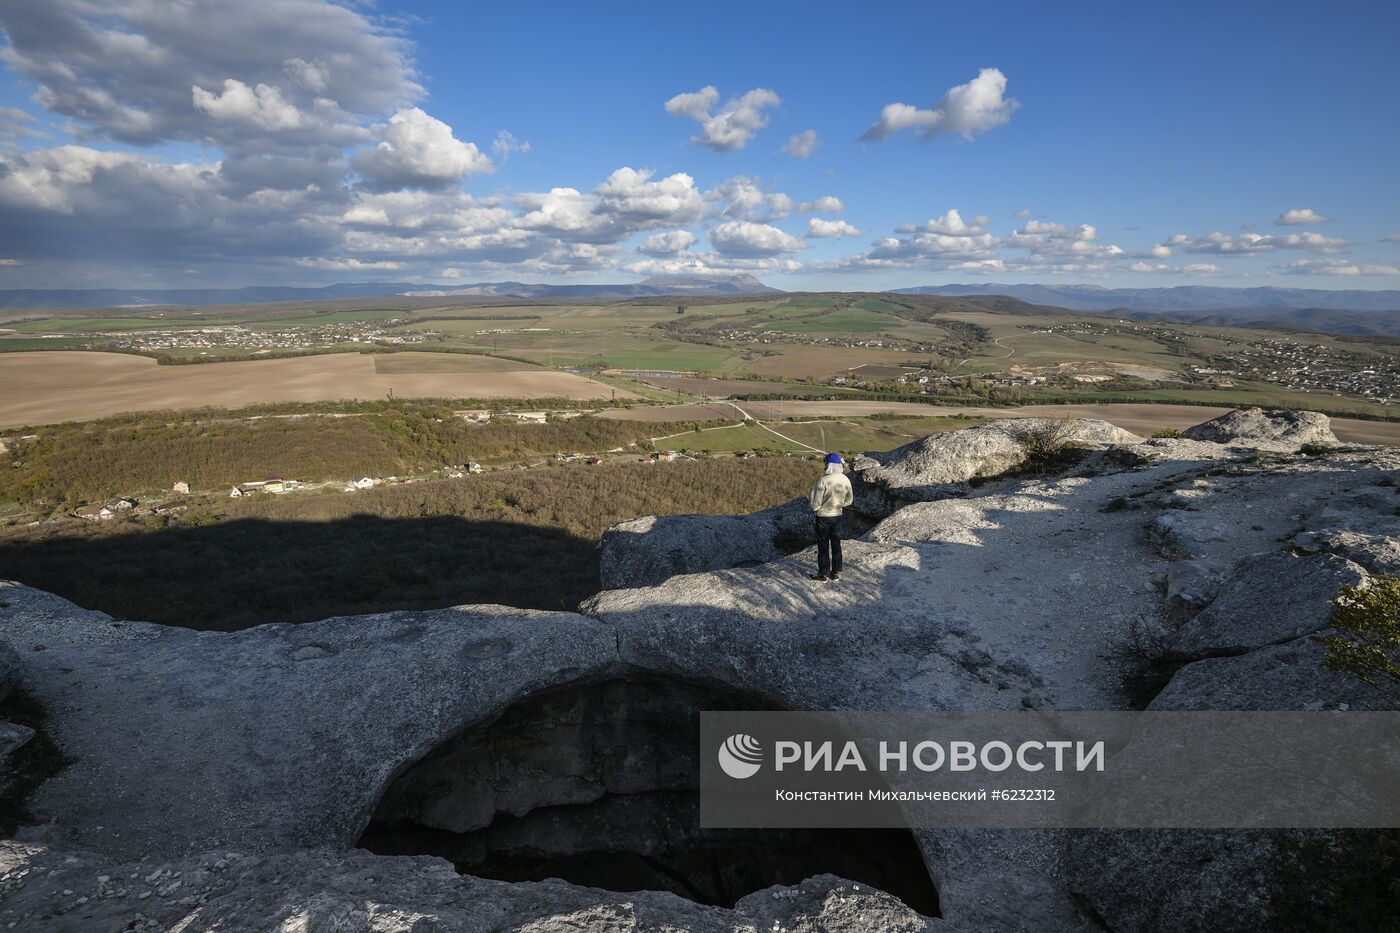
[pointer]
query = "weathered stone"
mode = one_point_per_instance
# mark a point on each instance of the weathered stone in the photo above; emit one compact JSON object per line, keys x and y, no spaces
{"x":1379,"y":554}
{"x":1191,"y":585}
{"x":647,"y":551}
{"x":322,"y":889}
{"x":13,"y":737}
{"x":924,"y":469}
{"x":1185,"y":535}
{"x":9,"y":669}
{"x":1270,"y":425}
{"x":1268,"y":599}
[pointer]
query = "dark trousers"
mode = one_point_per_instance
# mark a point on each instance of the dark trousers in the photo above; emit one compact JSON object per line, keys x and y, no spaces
{"x":828,"y":545}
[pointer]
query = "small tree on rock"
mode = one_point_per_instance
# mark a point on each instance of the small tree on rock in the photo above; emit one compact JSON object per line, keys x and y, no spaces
{"x":1367,"y":640}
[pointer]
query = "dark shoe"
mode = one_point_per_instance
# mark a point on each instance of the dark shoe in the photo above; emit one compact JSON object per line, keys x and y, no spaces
{"x":835,"y":575}
{"x":817,"y":576}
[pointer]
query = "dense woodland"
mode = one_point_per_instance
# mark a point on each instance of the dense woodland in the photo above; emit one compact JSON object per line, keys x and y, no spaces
{"x":519,"y":538}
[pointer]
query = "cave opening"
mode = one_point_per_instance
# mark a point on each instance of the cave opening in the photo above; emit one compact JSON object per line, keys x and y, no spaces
{"x":598,"y":785}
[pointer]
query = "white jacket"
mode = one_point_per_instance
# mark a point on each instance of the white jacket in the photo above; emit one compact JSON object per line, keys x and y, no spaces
{"x":832,"y":493}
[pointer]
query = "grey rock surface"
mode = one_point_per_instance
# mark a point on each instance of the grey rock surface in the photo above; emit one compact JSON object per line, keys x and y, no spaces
{"x":317,"y":890}
{"x":9,"y":669}
{"x":279,"y":742}
{"x":925,"y":469}
{"x":647,"y":551}
{"x":1268,"y":599}
{"x":1270,"y":425}
{"x":13,"y":736}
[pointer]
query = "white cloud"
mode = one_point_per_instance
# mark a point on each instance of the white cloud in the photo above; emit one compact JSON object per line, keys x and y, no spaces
{"x":743,"y":198}
{"x":733,"y":124}
{"x":1022,"y":214}
{"x":1391,"y":238}
{"x":1336,"y":267}
{"x":819,"y":228}
{"x":350,"y":265}
{"x":16,"y":123}
{"x":826,"y":204}
{"x":1161,"y":251}
{"x":802,"y":145}
{"x":667,"y":243}
{"x":950,"y":224}
{"x":1043,"y":239}
{"x":1249,"y":243}
{"x":506,"y":145}
{"x":416,"y":150}
{"x":262,"y":107}
{"x":744,"y":238}
{"x":627,"y":202}
{"x":1194,"y":268}
{"x":125,"y":70}
{"x":1300,"y":217}
{"x":967,"y":110}
{"x":1200,"y":268}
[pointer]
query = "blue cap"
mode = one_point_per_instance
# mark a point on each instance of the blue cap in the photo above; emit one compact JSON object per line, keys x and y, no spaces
{"x":833,"y":458}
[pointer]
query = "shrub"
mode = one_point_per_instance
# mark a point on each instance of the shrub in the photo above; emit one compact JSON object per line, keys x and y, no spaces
{"x":1044,"y":439}
{"x":1367,"y":642}
{"x":1166,"y":432}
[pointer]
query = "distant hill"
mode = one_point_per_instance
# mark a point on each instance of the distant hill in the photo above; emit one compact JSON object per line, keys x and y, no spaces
{"x":1339,"y":311}
{"x":657,"y":286}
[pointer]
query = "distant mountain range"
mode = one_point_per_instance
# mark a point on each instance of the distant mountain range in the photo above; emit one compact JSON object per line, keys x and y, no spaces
{"x":1339,"y":311}
{"x":656,"y":286}
{"x":1350,"y":311}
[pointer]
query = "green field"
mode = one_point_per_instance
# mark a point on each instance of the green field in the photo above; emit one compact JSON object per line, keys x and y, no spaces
{"x":329,"y":317}
{"x":102,"y":325}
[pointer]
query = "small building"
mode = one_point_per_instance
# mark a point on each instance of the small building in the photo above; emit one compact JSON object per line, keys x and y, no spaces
{"x":473,"y":415}
{"x":90,"y":513}
{"x":236,"y":493}
{"x":275,"y":484}
{"x":121,"y":504}
{"x":473,"y":467}
{"x":364,"y":482}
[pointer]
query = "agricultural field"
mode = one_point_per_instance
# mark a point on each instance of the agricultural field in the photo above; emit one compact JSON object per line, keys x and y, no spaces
{"x":682,"y":350}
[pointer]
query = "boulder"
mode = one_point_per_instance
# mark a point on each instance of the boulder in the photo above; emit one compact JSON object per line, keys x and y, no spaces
{"x":322,"y":889}
{"x":927,"y":468}
{"x":647,"y":551}
{"x":1379,"y":554}
{"x":9,"y":669}
{"x":1268,"y":599}
{"x":1191,"y":585}
{"x":1274,"y":425}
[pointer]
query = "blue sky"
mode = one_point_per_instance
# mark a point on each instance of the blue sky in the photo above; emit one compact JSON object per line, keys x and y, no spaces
{"x":294,"y":141}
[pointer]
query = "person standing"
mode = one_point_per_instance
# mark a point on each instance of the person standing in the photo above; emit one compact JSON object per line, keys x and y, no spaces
{"x":831,"y":493}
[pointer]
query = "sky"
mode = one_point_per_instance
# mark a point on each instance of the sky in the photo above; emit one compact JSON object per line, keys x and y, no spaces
{"x":189,"y":143}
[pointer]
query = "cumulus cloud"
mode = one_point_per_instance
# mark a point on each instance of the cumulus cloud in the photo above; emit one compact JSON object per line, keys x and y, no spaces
{"x":827,"y":204}
{"x":802,"y":145}
{"x":819,"y":228}
{"x":416,"y":150}
{"x":730,"y":126}
{"x":262,"y":107}
{"x":1336,"y":267}
{"x":746,"y":239}
{"x":743,"y":198}
{"x":950,"y":224}
{"x":1300,"y":217}
{"x":668,"y":243}
{"x":1059,"y":245}
{"x":125,"y":71}
{"x":627,"y":202}
{"x":966,"y":110}
{"x":1249,"y":243}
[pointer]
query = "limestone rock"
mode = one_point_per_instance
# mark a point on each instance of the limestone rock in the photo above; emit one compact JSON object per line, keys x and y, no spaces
{"x":1191,"y":586}
{"x":321,"y":889}
{"x":13,"y":737}
{"x":1186,"y":536}
{"x":1271,"y":425}
{"x":1379,"y":554}
{"x":1268,"y":599}
{"x":9,"y":669}
{"x":647,"y":551}
{"x":924,"y":469}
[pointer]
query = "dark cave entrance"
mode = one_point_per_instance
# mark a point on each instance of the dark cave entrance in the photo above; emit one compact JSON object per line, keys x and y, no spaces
{"x":597,"y":785}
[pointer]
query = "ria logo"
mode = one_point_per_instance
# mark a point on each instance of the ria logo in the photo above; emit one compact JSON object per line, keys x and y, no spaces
{"x":741,"y":756}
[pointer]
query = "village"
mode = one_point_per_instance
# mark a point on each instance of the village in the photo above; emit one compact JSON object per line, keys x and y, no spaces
{"x":308,"y":336}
